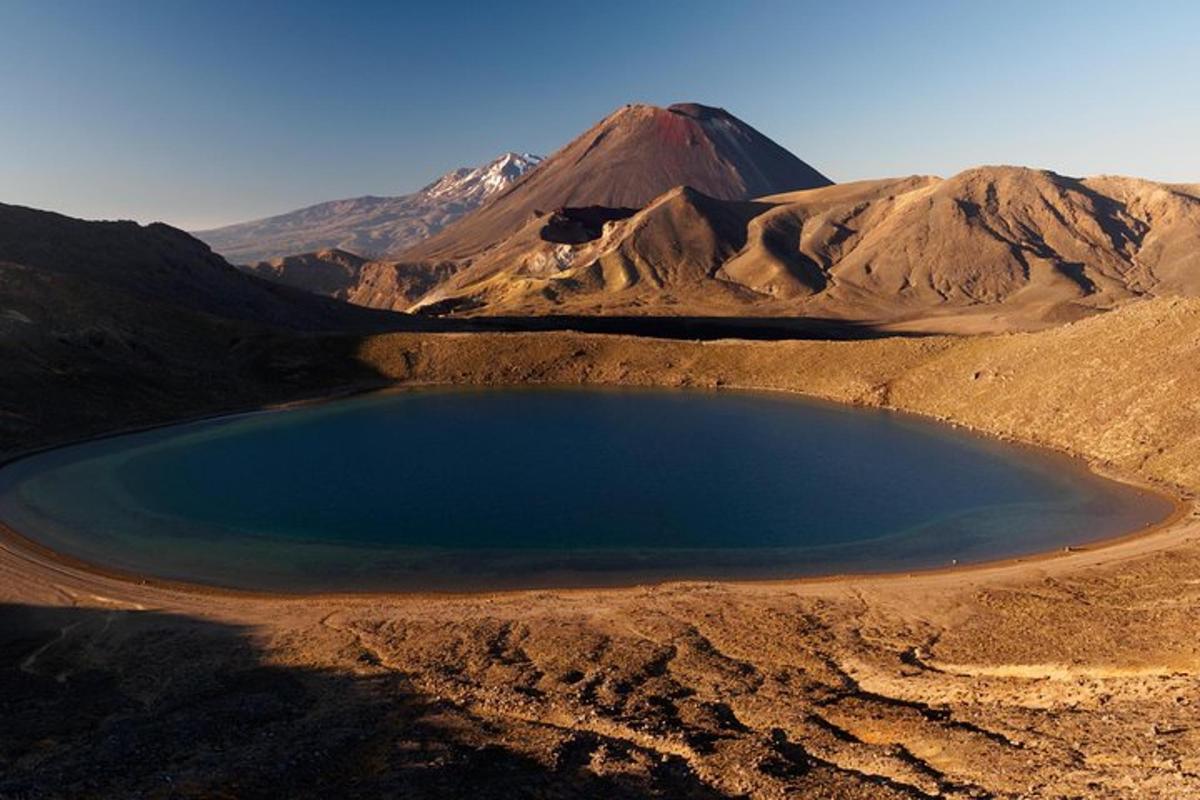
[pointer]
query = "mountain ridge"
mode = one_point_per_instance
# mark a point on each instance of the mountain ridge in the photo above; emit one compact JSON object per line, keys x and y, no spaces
{"x":987,"y":249}
{"x":370,"y":226}
{"x":984,"y":249}
{"x":163,"y":266}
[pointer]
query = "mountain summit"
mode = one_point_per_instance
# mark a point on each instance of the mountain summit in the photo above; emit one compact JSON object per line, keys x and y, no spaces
{"x":474,"y":186}
{"x":626,"y":160}
{"x":371,"y":226}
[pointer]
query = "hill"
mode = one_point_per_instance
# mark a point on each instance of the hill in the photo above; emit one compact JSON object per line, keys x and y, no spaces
{"x":114,"y":320}
{"x":163,"y":266}
{"x":989,"y":248}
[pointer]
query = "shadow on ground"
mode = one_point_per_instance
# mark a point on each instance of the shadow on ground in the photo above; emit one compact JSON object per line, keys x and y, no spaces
{"x":99,"y":703}
{"x":687,"y":328}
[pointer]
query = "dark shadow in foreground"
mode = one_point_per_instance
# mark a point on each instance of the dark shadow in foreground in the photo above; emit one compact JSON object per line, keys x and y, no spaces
{"x":98,"y":703}
{"x":693,"y":328}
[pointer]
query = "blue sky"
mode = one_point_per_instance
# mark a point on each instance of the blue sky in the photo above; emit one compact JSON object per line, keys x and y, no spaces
{"x":202,"y":113}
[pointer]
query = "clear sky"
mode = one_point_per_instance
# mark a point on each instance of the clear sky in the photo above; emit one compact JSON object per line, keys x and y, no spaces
{"x":206,"y":112}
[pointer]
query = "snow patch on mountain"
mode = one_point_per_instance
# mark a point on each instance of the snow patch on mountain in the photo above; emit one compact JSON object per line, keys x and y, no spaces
{"x":370,"y":226}
{"x":483,"y":182}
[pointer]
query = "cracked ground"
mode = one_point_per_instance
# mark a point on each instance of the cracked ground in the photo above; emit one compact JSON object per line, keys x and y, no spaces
{"x":990,"y":683}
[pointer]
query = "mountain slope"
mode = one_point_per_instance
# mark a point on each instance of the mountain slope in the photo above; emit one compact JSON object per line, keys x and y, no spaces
{"x":344,"y":276}
{"x":1024,"y":245}
{"x":1000,"y":235}
{"x":629,"y":158}
{"x":163,"y":266}
{"x":146,"y":323}
{"x":371,"y":226}
{"x":331,"y":272}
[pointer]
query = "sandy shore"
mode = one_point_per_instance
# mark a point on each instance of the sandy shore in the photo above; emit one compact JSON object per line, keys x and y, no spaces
{"x":1069,"y":676}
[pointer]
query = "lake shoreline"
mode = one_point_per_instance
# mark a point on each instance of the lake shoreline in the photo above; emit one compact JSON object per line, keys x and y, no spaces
{"x":1044,"y":677}
{"x":1180,"y":508}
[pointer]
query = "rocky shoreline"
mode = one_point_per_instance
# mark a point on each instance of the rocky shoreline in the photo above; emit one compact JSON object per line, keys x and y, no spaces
{"x":1070,"y":676}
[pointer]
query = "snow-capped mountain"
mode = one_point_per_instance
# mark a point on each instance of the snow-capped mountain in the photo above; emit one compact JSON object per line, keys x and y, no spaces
{"x":482,"y":182}
{"x":374,"y":227}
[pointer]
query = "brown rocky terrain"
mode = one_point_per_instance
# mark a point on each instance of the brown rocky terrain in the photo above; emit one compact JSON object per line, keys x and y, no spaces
{"x":677,"y":212}
{"x":1073,"y":676}
{"x":79,"y":354}
{"x":990,"y":248}
{"x":159,"y":265}
{"x":344,"y":276}
{"x":332,"y":272}
{"x":397,"y":285}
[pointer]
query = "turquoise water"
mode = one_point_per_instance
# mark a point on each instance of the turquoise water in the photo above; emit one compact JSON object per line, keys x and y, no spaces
{"x":474,"y":489}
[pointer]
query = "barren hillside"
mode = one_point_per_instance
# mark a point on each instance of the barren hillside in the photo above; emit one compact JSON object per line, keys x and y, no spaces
{"x":993,"y":247}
